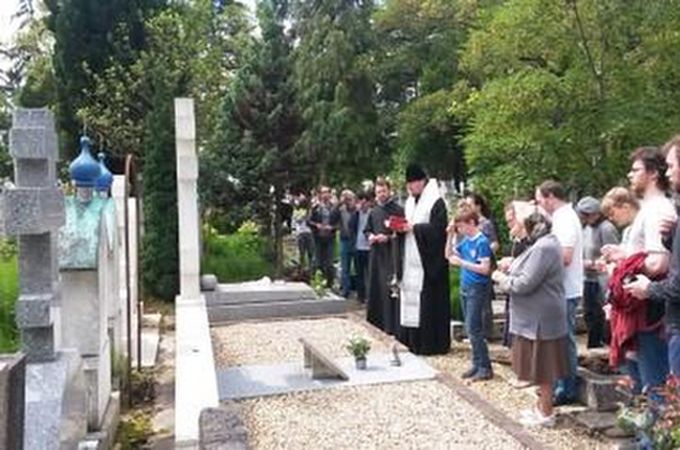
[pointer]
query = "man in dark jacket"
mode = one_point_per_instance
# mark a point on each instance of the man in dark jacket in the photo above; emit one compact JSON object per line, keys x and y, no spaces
{"x":667,"y":291}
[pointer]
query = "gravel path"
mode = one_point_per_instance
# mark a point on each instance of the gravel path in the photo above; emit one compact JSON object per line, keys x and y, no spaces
{"x":511,"y":400}
{"x":389,"y":416}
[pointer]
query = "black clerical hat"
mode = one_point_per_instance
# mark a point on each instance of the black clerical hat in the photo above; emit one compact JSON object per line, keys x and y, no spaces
{"x":415,"y":172}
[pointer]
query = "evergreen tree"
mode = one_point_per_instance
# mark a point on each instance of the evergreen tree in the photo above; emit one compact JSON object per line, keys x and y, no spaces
{"x":253,"y":151}
{"x":160,"y":243}
{"x":336,"y":91}
{"x":85,"y":33}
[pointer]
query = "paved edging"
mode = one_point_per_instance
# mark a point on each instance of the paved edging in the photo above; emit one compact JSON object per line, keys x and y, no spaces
{"x":491,"y":413}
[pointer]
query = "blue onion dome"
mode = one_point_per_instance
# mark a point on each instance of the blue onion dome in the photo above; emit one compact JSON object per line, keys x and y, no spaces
{"x":84,"y":170}
{"x":105,"y":179}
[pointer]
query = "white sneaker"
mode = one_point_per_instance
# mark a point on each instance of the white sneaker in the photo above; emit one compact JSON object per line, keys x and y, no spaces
{"x":537,"y":419}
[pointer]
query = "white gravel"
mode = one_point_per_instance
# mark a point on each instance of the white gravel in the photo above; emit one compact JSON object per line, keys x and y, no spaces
{"x":277,"y":341}
{"x":389,"y":416}
{"x":424,"y":414}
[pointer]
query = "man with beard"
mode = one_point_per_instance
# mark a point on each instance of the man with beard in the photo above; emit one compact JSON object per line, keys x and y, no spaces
{"x":425,"y":309}
{"x":667,"y":291}
{"x":381,"y":308}
{"x":648,"y":364}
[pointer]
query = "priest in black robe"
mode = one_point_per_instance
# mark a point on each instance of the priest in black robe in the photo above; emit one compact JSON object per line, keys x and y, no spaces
{"x":425,"y":308}
{"x":381,"y":307}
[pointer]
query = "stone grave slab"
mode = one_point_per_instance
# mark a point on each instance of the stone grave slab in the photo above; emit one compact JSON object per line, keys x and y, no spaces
{"x":260,"y":292}
{"x":274,"y":379}
{"x":322,"y":366}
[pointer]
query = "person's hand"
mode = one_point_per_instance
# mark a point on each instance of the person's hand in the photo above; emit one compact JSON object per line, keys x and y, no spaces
{"x":455,"y":260}
{"x":498,"y":277}
{"x":667,"y":224}
{"x":407,"y":228}
{"x":607,"y":308}
{"x":639,"y":287}
{"x":451,"y":227}
{"x":504,"y":263}
{"x":613,"y":252}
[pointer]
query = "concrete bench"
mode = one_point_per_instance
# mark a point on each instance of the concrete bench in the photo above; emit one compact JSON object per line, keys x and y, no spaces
{"x":322,"y":366}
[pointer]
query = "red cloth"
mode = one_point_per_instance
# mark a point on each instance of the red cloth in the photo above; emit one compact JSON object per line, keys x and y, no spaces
{"x":628,"y":314}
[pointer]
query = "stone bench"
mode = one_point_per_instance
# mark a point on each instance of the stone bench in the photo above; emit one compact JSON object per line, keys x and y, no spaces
{"x":322,"y":366}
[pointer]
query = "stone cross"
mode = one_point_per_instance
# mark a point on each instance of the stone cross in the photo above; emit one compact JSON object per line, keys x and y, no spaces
{"x":34,"y":211}
{"x":187,"y":198}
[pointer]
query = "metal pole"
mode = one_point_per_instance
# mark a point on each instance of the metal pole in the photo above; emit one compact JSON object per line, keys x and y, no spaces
{"x":128,"y":292}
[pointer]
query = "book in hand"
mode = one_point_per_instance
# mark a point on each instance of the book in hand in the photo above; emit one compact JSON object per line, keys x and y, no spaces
{"x":396,"y":223}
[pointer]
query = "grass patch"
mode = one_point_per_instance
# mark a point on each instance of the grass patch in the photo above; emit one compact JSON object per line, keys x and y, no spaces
{"x":454,"y":288}
{"x":9,"y":291}
{"x":241,"y":256}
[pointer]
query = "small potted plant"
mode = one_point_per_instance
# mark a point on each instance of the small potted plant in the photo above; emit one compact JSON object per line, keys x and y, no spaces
{"x":359,"y":348}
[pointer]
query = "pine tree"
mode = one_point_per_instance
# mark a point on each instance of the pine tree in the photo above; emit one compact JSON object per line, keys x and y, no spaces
{"x":336,"y":92}
{"x":160,"y":260}
{"x":253,"y":152}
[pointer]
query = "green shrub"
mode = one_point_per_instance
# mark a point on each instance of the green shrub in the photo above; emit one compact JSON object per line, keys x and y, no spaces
{"x":454,"y":287}
{"x":9,"y":291}
{"x":241,"y":256}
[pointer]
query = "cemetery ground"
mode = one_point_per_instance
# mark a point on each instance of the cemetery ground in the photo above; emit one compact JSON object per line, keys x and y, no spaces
{"x":442,"y":412}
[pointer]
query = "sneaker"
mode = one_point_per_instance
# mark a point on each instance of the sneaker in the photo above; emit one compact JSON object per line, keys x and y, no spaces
{"x":537,"y":419}
{"x":469,"y":373}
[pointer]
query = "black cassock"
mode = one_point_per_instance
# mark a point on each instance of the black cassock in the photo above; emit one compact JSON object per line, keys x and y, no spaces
{"x":434,"y":334}
{"x":382,"y":310}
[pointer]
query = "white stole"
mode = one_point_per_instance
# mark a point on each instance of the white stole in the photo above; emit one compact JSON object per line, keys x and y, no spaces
{"x":414,"y":273}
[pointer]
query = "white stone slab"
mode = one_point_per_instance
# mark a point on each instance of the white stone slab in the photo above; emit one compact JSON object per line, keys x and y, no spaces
{"x":273,"y":379}
{"x":150,"y":340}
{"x":195,"y":377}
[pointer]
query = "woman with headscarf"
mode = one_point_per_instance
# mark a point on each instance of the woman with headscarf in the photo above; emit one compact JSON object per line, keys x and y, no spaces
{"x":538,"y":321}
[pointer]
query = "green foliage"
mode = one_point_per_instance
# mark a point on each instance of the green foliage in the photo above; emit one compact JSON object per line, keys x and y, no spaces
{"x":250,"y":162}
{"x":358,"y":347}
{"x":9,"y":291}
{"x":319,"y":284}
{"x":566,"y":90}
{"x":160,"y":259}
{"x":197,"y":44}
{"x":454,"y":290}
{"x":416,"y":64}
{"x":655,"y":422}
{"x":236,"y":257}
{"x":135,"y":429}
{"x":86,"y":34}
{"x":335,"y":88}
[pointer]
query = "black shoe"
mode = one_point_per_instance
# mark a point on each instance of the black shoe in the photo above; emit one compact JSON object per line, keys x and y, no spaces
{"x":469,"y":373}
{"x":561,"y":400}
{"x":482,"y":375}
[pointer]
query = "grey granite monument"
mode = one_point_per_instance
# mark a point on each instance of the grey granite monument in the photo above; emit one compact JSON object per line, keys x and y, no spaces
{"x":34,"y":211}
{"x":12,"y":382}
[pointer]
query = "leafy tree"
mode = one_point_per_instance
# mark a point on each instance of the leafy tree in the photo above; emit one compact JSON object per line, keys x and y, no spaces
{"x":251,"y":162}
{"x":566,"y":90}
{"x":416,"y":64}
{"x":335,"y":88}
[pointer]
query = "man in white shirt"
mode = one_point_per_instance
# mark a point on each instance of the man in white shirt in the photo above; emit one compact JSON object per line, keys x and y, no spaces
{"x":647,"y":366}
{"x":566,"y":226}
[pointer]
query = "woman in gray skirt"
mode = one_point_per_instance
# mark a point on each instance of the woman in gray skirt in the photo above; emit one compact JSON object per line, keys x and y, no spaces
{"x":538,"y":315}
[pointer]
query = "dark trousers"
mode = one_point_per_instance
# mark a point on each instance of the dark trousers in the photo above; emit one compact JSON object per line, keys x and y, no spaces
{"x":361,"y":267}
{"x":324,"y":258}
{"x":347,"y":252}
{"x":593,"y":299}
{"x":305,"y":243}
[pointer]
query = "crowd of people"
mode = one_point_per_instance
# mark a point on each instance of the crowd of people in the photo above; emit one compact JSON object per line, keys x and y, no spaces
{"x":615,"y":256}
